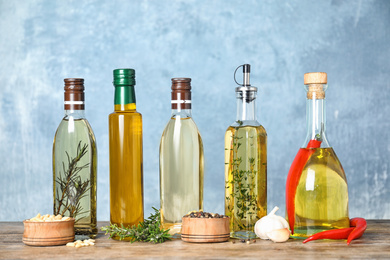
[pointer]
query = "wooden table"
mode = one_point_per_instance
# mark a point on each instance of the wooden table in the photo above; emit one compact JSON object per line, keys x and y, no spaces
{"x":375,"y":243}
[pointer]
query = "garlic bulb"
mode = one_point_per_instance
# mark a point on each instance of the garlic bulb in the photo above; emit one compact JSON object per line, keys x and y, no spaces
{"x":272,"y":227}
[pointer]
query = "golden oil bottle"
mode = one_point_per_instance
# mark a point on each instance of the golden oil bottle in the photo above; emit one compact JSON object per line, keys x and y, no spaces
{"x":125,"y":141}
{"x":316,"y":188}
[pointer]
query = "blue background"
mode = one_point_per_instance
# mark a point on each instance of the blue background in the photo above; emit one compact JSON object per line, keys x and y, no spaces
{"x":43,"y":42}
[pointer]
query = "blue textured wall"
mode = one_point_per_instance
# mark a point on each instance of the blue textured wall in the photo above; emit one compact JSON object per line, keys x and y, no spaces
{"x":43,"y":42}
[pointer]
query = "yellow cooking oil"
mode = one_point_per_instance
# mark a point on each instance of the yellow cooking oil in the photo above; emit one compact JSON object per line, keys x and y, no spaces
{"x":321,"y":199}
{"x":245,"y":178}
{"x":126,"y":173}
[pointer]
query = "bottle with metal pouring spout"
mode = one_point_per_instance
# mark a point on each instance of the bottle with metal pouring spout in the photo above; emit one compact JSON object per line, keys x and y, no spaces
{"x":245,"y":164}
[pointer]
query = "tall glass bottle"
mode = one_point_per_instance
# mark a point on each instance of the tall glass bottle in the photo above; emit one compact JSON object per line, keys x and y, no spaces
{"x":181,"y":161}
{"x":245,"y":164}
{"x":75,"y":163}
{"x":125,"y":141}
{"x":316,"y":188}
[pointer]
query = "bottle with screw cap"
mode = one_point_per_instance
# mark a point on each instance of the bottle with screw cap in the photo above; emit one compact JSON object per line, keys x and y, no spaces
{"x":125,"y":142}
{"x":316,"y":188}
{"x":75,"y":163}
{"x":245,"y":163}
{"x":181,"y":161}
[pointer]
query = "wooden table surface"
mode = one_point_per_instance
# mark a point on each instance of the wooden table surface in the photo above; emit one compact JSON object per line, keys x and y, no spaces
{"x":375,"y":243}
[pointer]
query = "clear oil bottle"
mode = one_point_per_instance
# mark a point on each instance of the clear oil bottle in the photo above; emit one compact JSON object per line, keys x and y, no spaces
{"x":181,"y":161}
{"x":75,"y":163}
{"x":316,"y":176}
{"x":245,"y":164}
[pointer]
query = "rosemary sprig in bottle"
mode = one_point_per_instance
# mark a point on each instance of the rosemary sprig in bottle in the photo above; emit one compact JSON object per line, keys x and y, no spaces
{"x":148,"y":231}
{"x":71,"y":188}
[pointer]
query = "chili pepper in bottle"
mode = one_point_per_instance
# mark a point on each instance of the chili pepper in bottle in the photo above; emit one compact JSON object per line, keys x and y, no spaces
{"x":293,"y":178}
{"x":316,"y":188}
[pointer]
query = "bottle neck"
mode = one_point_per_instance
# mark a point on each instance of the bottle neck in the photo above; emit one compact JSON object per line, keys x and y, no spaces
{"x":246,"y":106}
{"x":75,"y":114}
{"x":124,"y":99}
{"x":182,"y":113}
{"x":316,"y":121}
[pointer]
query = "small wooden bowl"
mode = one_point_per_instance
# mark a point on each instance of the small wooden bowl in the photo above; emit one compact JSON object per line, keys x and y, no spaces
{"x":205,"y":230}
{"x":49,"y":233}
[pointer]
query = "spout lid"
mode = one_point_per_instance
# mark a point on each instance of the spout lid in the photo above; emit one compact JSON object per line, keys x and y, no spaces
{"x":246,"y":85}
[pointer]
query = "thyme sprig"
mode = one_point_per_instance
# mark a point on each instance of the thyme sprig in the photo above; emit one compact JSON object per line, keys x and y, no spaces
{"x":71,"y":188}
{"x":148,"y":231}
{"x":244,"y":194}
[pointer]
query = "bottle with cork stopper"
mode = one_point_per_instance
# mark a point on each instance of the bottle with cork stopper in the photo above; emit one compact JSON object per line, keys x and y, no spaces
{"x":316,"y":188}
{"x":75,"y":163}
{"x":181,"y":161}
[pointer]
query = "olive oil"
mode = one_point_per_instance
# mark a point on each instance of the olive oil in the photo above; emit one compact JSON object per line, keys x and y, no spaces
{"x":245,"y":165}
{"x":125,"y":142}
{"x":126,"y":183}
{"x":320,"y":200}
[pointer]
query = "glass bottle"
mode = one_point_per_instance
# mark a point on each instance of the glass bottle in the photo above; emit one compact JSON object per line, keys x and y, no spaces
{"x":75,"y":163}
{"x":245,"y":164}
{"x":125,"y":142}
{"x":316,"y":188}
{"x":181,"y":161}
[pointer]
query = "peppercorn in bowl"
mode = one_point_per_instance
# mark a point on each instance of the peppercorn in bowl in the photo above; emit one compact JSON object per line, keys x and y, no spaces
{"x":204,"y":227}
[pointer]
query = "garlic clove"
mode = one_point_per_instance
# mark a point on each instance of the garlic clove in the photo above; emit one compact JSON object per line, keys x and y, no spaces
{"x":279,"y":235}
{"x":265,"y":225}
{"x":269,"y":223}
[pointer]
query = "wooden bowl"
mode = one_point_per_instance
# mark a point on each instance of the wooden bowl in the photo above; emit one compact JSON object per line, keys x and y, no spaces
{"x":205,"y":230}
{"x":49,"y":233}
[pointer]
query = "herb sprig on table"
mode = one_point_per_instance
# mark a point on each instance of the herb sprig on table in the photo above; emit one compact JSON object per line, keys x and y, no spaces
{"x":148,"y":231}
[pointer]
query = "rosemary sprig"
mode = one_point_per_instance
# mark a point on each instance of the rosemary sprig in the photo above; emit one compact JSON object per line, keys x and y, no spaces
{"x":148,"y":231}
{"x":71,"y":188}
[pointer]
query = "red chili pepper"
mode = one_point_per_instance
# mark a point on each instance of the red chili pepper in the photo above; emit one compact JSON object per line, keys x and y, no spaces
{"x":342,"y":233}
{"x":293,"y":177}
{"x":360,"y":225}
{"x":313,"y":143}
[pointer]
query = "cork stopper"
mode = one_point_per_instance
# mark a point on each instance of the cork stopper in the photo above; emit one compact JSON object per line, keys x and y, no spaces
{"x":315,"y":82}
{"x":181,"y":93}
{"x":74,"y":94}
{"x":315,"y":78}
